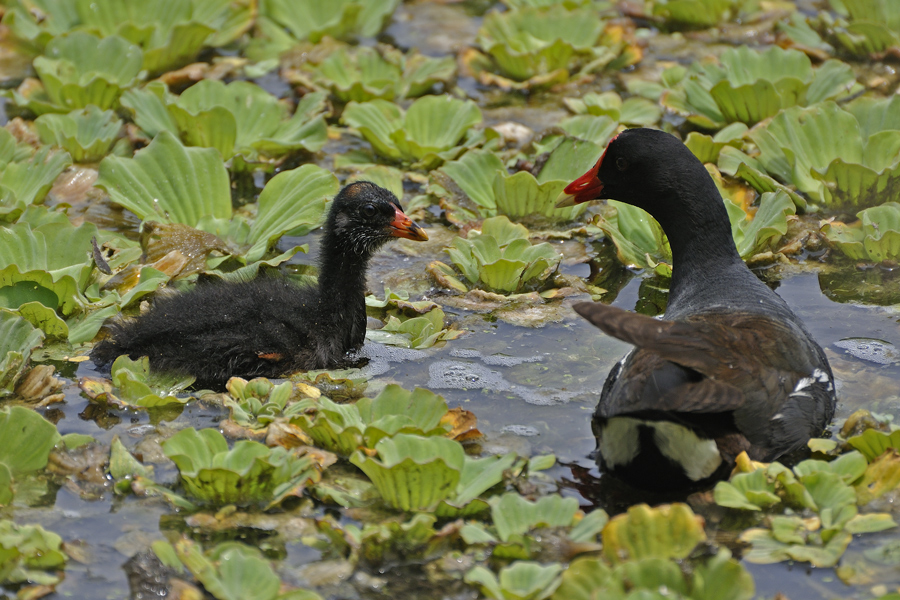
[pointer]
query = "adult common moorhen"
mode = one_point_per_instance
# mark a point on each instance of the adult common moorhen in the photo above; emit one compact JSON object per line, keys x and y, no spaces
{"x":728,"y":368}
{"x":269,"y":326}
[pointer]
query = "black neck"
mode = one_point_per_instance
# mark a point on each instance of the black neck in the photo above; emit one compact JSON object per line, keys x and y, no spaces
{"x":699,"y":232}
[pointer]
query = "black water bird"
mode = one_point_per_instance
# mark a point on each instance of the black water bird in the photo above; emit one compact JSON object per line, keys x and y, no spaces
{"x":270,"y":326}
{"x":728,"y":368}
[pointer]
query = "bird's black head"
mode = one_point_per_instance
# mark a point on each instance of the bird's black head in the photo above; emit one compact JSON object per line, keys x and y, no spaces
{"x":363,"y":216}
{"x":646,"y":168}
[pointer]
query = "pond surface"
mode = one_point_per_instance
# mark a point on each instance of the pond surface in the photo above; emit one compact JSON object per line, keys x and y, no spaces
{"x":533,"y":391}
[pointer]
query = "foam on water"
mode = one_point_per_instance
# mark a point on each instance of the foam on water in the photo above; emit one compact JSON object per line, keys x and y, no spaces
{"x":876,"y":351}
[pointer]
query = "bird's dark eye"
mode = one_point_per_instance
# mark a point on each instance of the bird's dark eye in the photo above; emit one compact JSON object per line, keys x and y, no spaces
{"x":369,"y":210}
{"x":621,"y":163}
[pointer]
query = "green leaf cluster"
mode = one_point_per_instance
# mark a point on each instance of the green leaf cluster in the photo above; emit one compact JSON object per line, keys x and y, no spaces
{"x":844,"y":158}
{"x":749,"y":86}
{"x":830,"y":491}
{"x":427,"y":133}
{"x":87,"y":135}
{"x":693,"y":14}
{"x":500,"y":257}
{"x":248,"y":474}
{"x":167,"y":34}
{"x":482,"y":176}
{"x":229,"y":571}
{"x":343,"y":428}
{"x":875,"y":237}
{"x":363,"y":73}
{"x":28,"y":439}
{"x":416,"y":473}
{"x":258,"y":402}
{"x":30,"y":554}
{"x":537,"y":46}
{"x":241,"y":120}
{"x":312,"y":20}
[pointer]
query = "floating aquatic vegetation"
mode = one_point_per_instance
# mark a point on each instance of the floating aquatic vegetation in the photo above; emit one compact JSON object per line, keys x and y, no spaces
{"x":75,"y":71}
{"x":427,"y":133}
{"x":522,"y":580}
{"x":522,"y":529}
{"x":18,"y":338}
{"x":414,"y":332}
{"x":720,"y":577}
{"x":87,"y":135}
{"x":863,"y":29}
{"x":484,"y":179}
{"x":498,"y":257}
{"x":831,"y":491}
{"x":25,"y":182}
{"x":693,"y":14}
{"x":667,"y":531}
{"x":30,"y":554}
{"x":748,"y":86}
{"x":343,"y":428}
{"x":874,"y":237}
{"x":341,"y":19}
{"x":134,"y":384}
{"x":835,"y":157}
{"x":362,"y":73}
{"x":229,"y":571}
{"x":536,"y":47}
{"x":708,"y":148}
{"x":28,"y":439}
{"x":631,"y":111}
{"x":755,"y":233}
{"x":172,"y":183}
{"x":259,"y":402}
{"x":245,"y":123}
{"x":413,"y":473}
{"x":170,"y":34}
{"x":249,"y":473}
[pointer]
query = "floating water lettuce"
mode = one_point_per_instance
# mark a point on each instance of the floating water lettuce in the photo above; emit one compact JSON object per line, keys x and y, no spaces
{"x":258,"y":402}
{"x":28,"y":439}
{"x":500,"y":256}
{"x":427,"y":133}
{"x":26,"y":178}
{"x":522,"y":580}
{"x":874,"y":237}
{"x":521,"y":529}
{"x":18,"y":338}
{"x":50,"y":264}
{"x":134,"y":384}
{"x":342,"y":19}
{"x":229,"y":571}
{"x":864,"y":29}
{"x":721,"y":577}
{"x":485,"y":181}
{"x":343,"y":428}
{"x":413,"y":473}
{"x":363,"y":73}
{"x":30,"y":554}
{"x":76,"y":70}
{"x":87,"y":135}
{"x":748,"y":86}
{"x":172,"y":183}
{"x":249,"y":473}
{"x":844,"y":160}
{"x":831,"y":490}
{"x":667,"y":531}
{"x":693,"y":14}
{"x":543,"y":46}
{"x":414,"y":332}
{"x":632,"y":111}
{"x":239,"y":118}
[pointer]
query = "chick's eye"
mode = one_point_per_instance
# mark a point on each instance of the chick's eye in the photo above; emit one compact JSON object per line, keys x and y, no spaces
{"x":621,"y":163}
{"x":369,"y":210}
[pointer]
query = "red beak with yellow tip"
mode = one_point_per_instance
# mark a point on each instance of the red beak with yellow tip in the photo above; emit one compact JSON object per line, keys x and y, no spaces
{"x":404,"y":227}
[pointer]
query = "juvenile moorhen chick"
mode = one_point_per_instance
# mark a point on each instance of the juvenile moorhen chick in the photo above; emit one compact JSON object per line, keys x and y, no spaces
{"x":269,"y":326}
{"x":728,"y":368}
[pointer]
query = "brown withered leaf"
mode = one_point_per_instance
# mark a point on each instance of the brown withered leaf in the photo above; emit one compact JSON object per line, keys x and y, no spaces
{"x":159,"y":239}
{"x":38,"y":383}
{"x":280,"y":433}
{"x":463,"y":424}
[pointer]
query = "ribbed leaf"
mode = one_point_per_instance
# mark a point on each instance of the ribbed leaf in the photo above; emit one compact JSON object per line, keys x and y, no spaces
{"x":168,"y":182}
